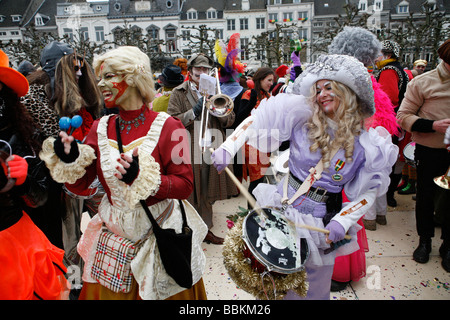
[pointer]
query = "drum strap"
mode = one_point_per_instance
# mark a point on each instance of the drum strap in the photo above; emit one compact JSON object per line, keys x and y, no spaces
{"x":314,"y":175}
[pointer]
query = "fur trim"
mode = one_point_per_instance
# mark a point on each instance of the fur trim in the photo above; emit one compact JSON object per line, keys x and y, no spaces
{"x":63,"y":172}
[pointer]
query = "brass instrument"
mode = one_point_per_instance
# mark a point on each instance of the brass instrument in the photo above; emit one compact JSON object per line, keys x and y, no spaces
{"x":219,"y":105}
{"x":444,"y":180}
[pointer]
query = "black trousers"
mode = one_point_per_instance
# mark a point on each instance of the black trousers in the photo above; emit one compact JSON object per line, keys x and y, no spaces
{"x":431,"y":163}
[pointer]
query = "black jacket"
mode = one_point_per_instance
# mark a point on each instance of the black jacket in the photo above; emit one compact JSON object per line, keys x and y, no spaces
{"x":32,"y":193}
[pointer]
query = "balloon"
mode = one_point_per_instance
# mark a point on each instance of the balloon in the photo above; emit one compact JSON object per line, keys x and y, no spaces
{"x":76,"y":121}
{"x":64,"y":123}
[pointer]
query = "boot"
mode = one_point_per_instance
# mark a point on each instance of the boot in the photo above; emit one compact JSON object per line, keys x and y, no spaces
{"x":395,"y":179}
{"x":409,"y":189}
{"x":422,"y":253}
{"x":444,"y":252}
{"x":403,"y":183}
{"x":370,"y":225}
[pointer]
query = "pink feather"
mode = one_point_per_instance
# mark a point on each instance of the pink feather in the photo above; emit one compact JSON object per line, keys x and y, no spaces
{"x":384,"y":111}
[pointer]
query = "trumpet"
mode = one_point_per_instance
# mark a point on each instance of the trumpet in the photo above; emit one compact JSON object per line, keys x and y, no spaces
{"x":219,"y":105}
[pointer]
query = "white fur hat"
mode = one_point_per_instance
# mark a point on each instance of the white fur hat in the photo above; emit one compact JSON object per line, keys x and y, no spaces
{"x":341,"y":68}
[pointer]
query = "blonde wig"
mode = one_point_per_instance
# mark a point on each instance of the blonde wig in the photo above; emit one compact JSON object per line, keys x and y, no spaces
{"x":349,"y":120}
{"x":71,"y":95}
{"x":134,"y":65}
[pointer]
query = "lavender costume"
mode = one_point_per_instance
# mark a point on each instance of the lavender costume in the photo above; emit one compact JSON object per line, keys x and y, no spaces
{"x":284,"y":117}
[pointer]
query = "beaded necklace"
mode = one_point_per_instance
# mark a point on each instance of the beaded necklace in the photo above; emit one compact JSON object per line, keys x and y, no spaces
{"x":127,"y":124}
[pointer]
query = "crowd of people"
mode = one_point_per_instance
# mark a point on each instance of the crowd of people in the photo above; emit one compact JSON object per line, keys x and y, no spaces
{"x":137,"y":164}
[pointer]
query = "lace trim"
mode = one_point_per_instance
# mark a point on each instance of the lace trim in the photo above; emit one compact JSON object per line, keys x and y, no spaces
{"x":149,"y":179}
{"x":63,"y":172}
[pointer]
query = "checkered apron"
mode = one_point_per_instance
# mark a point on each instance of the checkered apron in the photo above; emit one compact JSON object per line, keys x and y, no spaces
{"x":112,"y":263}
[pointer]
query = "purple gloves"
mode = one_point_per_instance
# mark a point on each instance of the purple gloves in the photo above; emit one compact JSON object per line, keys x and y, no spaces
{"x":337,"y":232}
{"x":220,"y":159}
{"x":295,"y":58}
{"x":296,"y":65}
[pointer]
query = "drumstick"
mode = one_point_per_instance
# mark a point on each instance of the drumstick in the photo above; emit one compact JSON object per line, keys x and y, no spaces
{"x":252,"y":202}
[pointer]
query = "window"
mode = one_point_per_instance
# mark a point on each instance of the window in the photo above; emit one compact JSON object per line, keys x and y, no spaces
{"x":378,"y":5}
{"x":171,"y":38}
{"x":186,"y":34}
{"x":287,"y":16}
{"x":2,"y":18}
{"x":303,"y":34}
{"x":84,"y":33}
{"x":244,"y":47}
{"x":2,"y":33}
{"x":99,"y":34}
{"x":302,"y":15}
{"x":362,"y":6}
{"x":153,"y":32}
{"x":219,"y":33}
{"x":211,"y":14}
{"x":273,"y":17}
{"x":243,"y":23}
{"x":403,"y":7}
{"x":169,"y":4}
{"x":260,"y":23}
{"x":231,"y":24}
{"x":16,"y":18}
{"x":277,"y":2}
{"x":14,"y":33}
{"x":68,"y":33}
{"x":297,"y":1}
{"x":192,"y":15}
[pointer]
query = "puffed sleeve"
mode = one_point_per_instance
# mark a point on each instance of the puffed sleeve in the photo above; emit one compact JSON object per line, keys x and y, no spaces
{"x":372,"y":179}
{"x":380,"y":154}
{"x":176,"y":171}
{"x":270,"y":124}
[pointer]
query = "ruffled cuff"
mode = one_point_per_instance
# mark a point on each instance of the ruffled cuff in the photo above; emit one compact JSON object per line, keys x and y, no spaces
{"x":147,"y":182}
{"x":63,"y":172}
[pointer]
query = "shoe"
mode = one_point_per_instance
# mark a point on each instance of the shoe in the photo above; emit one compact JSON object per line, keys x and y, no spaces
{"x":211,"y":238}
{"x":402,"y":184}
{"x":370,"y":225}
{"x":444,"y":252}
{"x":422,"y":253}
{"x":409,"y":189}
{"x":381,"y":219}
{"x":391,"y":201}
{"x":338,"y":286}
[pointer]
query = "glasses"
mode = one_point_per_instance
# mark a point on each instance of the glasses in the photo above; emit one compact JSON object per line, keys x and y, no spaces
{"x":77,"y":63}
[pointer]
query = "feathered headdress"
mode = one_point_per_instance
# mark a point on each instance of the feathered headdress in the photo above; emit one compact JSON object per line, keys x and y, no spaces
{"x":227,"y":56}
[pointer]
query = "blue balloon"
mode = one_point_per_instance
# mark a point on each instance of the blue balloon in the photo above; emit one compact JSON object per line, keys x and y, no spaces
{"x":64,"y":123}
{"x":76,"y":121}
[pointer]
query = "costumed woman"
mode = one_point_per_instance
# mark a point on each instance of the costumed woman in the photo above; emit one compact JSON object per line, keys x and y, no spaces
{"x":76,"y":94}
{"x":141,"y":158}
{"x":31,"y":267}
{"x":364,"y":46}
{"x":254,"y":163}
{"x":323,"y":120}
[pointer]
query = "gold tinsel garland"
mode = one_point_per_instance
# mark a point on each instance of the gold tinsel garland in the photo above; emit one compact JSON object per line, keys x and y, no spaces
{"x":248,"y":279}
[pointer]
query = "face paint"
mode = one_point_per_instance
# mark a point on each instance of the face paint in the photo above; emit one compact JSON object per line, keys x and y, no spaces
{"x":326,"y":98}
{"x":196,"y":72}
{"x":112,"y":85}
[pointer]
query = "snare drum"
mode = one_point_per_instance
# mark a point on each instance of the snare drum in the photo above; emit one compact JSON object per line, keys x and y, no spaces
{"x":264,"y":252}
{"x":408,"y":153}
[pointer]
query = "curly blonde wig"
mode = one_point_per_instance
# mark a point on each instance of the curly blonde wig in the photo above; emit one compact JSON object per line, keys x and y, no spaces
{"x":349,"y":120}
{"x":134,"y":65}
